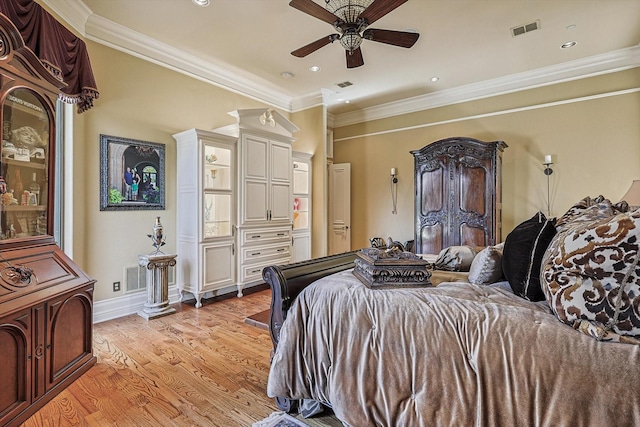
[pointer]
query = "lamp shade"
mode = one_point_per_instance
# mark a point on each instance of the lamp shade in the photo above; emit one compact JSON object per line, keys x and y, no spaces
{"x":632,"y":196}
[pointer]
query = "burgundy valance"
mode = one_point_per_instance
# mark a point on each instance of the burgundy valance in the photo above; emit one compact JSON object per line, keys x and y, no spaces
{"x":64,"y":54}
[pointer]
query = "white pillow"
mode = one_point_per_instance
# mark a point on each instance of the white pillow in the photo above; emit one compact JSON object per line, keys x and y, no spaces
{"x":486,"y":267}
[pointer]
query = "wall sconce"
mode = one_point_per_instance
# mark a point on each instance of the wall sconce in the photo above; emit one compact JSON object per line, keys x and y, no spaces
{"x":547,"y":165}
{"x":394,"y":190}
{"x":548,"y":171}
{"x":267,"y":116}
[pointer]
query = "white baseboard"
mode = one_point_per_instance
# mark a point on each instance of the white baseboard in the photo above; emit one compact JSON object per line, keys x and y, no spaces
{"x":126,"y":304}
{"x":134,"y":302}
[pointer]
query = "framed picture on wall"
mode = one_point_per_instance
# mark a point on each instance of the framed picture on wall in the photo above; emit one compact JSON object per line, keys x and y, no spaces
{"x":132,"y":174}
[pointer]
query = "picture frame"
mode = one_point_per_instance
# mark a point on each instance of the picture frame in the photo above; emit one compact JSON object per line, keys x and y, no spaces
{"x":132,"y":174}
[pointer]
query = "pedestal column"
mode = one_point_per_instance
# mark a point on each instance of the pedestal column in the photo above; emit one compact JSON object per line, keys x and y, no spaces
{"x":157,"y":268}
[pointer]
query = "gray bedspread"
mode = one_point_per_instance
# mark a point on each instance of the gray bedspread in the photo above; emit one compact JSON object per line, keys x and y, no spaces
{"x":452,"y":355}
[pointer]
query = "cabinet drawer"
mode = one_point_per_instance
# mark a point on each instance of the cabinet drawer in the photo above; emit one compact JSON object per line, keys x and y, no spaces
{"x":262,"y":236}
{"x":258,"y":254}
{"x":254,"y":272}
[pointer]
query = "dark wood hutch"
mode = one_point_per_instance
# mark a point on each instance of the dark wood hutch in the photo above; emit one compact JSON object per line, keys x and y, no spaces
{"x":46,"y":300}
{"x":458,"y":194}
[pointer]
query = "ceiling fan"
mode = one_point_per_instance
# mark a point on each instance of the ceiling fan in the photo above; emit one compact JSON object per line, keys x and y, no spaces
{"x":351,"y":19}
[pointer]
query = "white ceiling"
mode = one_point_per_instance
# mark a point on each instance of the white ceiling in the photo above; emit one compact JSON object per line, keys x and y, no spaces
{"x":245,"y":45}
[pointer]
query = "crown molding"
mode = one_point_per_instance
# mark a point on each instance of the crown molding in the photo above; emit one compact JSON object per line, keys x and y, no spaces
{"x":73,"y":12}
{"x":119,"y":37}
{"x":108,"y":33}
{"x":572,"y":70}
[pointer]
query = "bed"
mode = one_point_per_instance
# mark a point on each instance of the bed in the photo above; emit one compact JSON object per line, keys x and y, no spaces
{"x":455,"y":354}
{"x":460,"y":353}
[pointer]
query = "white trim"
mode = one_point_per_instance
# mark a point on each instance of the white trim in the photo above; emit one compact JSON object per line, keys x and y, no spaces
{"x":494,"y":113}
{"x":609,"y":62}
{"x":133,"y":302}
{"x":67,"y":180}
{"x":126,"y":304}
{"x":119,"y":37}
{"x":108,"y":33}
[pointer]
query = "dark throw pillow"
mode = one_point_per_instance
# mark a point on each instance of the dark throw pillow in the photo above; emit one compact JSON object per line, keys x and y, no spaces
{"x":522,"y":255}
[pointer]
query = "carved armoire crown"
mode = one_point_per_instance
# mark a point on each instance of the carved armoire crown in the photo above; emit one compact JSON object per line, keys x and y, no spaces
{"x":458,"y":194}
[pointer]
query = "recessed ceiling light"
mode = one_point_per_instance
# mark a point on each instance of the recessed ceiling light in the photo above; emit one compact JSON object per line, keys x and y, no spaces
{"x":567,"y":45}
{"x":571,"y":27}
{"x":314,"y":68}
{"x":202,"y":3}
{"x":434,"y":78}
{"x":286,"y":74}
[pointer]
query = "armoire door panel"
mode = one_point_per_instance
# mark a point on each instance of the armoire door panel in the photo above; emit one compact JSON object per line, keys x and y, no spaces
{"x":432,"y":190}
{"x":472,"y":236}
{"x":473,"y":190}
{"x":431,"y":236}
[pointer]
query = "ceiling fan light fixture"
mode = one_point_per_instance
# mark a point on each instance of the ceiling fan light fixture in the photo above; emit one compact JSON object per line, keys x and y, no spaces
{"x":351,"y":40}
{"x":347,"y":10}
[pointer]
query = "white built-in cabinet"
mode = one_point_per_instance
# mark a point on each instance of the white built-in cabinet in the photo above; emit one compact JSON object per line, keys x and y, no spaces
{"x":234,"y":217}
{"x":266,"y":180}
{"x":206,"y":214}
{"x":301,"y":206}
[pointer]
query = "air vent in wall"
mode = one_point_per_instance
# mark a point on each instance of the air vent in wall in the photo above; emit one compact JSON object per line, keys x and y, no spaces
{"x":526,"y":28}
{"x":344,"y":84}
{"x":136,"y":278}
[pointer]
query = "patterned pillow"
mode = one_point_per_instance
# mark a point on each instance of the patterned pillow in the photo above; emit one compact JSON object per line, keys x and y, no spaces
{"x":486,"y":267}
{"x":587,"y":210}
{"x":456,"y":258}
{"x":591,"y":274}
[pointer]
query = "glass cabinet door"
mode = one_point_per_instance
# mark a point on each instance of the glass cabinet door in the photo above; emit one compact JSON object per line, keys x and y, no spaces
{"x":300,"y":195}
{"x":217,"y":202}
{"x":24,"y":173}
{"x":217,"y":168}
{"x":217,"y":215}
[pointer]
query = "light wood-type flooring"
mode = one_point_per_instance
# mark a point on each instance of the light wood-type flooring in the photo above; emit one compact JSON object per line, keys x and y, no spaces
{"x":197,"y":367}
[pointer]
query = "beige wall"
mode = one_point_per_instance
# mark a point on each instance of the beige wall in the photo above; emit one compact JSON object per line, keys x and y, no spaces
{"x":590,"y":126}
{"x":143,"y":101}
{"x":312,"y":139}
{"x":595,"y":143}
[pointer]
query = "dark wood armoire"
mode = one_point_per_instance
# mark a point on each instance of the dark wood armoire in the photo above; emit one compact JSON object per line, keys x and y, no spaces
{"x":458,"y":197}
{"x":46,"y":300}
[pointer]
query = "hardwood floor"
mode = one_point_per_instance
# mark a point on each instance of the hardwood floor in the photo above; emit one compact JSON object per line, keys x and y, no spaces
{"x":197,"y":367}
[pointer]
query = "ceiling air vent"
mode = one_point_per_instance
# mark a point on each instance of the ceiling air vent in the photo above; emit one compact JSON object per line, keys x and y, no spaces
{"x":526,"y":28}
{"x":344,"y":84}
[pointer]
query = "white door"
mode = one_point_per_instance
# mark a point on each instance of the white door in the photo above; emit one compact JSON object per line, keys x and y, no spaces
{"x":339,"y":208}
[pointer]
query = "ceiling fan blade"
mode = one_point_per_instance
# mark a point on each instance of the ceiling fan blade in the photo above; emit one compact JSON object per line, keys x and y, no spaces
{"x":315,"y":10}
{"x":313,"y":46}
{"x":354,"y":59}
{"x":396,"y":38}
{"x":379,"y":8}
